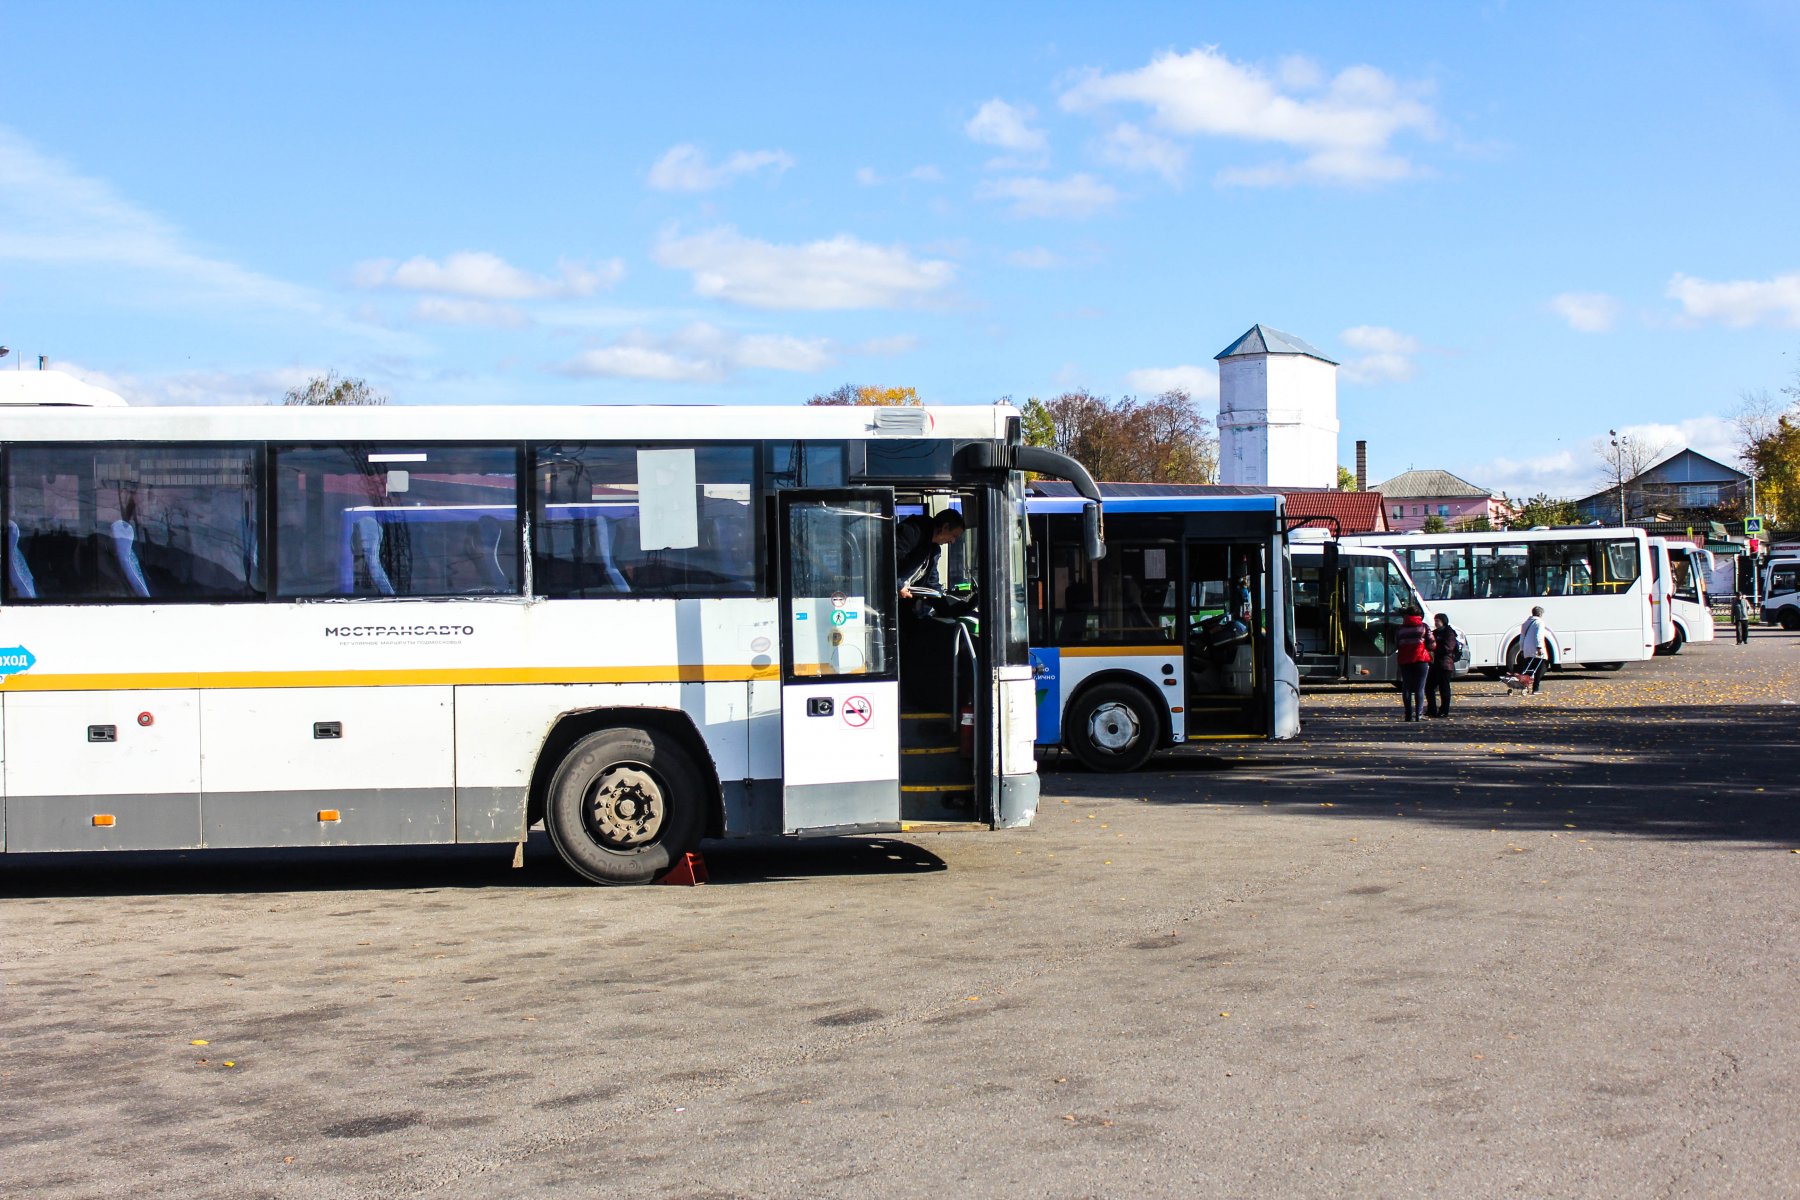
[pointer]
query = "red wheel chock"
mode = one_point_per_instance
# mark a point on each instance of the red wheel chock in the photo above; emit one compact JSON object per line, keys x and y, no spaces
{"x":690,"y":871}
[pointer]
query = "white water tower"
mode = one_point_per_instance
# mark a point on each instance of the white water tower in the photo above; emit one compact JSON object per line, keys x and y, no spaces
{"x":1278,"y":423}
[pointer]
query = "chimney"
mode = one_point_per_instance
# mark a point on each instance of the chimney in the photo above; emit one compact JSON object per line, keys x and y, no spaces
{"x":1362,"y":466}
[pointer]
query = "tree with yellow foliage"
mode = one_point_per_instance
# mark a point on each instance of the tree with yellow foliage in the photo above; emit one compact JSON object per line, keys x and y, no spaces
{"x":863,"y":395}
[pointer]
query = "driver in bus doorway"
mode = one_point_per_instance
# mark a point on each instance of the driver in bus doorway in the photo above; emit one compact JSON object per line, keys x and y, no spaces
{"x":916,"y":543}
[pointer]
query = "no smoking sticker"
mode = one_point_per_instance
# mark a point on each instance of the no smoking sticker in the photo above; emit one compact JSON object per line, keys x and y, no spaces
{"x":857,"y":711}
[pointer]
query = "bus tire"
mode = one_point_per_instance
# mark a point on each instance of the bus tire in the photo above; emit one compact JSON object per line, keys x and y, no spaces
{"x":1112,"y":727}
{"x":1675,"y":643}
{"x":1611,"y":666}
{"x":1790,"y":619}
{"x":624,"y":805}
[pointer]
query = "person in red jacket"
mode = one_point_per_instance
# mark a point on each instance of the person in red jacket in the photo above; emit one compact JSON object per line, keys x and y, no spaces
{"x":1413,"y":646}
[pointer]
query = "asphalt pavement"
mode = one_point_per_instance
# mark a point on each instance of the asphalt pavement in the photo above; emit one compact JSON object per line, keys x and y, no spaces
{"x":1545,"y":947}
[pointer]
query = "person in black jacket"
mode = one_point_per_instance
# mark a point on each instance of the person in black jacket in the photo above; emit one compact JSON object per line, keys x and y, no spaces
{"x":1447,"y":648}
{"x":916,"y":542}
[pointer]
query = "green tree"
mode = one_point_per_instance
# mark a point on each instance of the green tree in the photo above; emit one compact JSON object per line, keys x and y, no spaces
{"x":1543,"y":509}
{"x":1434,"y":524}
{"x":334,"y":389}
{"x":1474,"y":525}
{"x":1039,"y":428}
{"x":1346,"y":479}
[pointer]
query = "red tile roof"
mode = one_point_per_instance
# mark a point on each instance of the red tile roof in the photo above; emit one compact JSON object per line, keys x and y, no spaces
{"x":1356,"y":512}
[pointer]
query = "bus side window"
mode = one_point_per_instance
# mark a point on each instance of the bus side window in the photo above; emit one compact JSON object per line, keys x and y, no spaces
{"x":361,"y":520}
{"x":157,"y":521}
{"x":593,"y":515}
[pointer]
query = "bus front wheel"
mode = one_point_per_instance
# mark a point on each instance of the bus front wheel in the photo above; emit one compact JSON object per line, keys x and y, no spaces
{"x":624,"y":805}
{"x":1112,"y":727}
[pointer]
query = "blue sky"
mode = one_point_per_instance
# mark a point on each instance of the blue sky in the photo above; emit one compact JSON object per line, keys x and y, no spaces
{"x":1516,"y":225}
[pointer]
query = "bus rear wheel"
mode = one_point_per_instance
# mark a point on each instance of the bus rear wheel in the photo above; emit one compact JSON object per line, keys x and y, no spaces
{"x":624,"y":805}
{"x":1790,"y":619}
{"x":1112,"y":727}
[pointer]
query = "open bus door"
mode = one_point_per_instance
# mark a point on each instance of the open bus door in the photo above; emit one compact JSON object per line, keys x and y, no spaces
{"x":840,"y":690}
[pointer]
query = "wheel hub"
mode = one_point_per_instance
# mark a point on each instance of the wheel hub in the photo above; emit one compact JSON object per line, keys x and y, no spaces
{"x":1113,"y":727}
{"x":626,"y":809}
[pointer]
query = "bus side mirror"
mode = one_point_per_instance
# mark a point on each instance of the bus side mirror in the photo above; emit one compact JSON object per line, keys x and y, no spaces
{"x":1093,"y":535}
{"x":1328,"y":570}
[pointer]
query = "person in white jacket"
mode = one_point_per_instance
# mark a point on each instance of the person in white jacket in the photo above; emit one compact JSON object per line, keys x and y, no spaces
{"x":1534,"y":646}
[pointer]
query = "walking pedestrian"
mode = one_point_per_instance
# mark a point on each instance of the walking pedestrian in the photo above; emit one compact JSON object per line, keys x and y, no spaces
{"x":1447,"y":648}
{"x":1534,"y":646}
{"x":1740,"y":616}
{"x":1413,"y":645}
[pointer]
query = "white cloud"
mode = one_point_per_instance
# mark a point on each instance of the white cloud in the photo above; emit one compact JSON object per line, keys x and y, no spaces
{"x":1201,"y":383}
{"x":197,"y":387}
{"x":891,"y":346}
{"x":924,"y":173}
{"x":1078,"y":195}
{"x":443,"y":311}
{"x":838,"y":273}
{"x":1561,"y":474}
{"x":1342,"y":128}
{"x":1586,"y":312}
{"x":52,"y":214}
{"x":1571,"y":474}
{"x":700,"y":353}
{"x":684,"y":168}
{"x":1387,"y":356}
{"x":484,"y":276}
{"x":1715,"y":437}
{"x":998,"y":123}
{"x":1137,"y":150}
{"x":1740,"y":302}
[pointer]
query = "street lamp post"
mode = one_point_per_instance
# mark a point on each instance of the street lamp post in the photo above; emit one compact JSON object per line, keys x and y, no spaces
{"x":1621,"y":446}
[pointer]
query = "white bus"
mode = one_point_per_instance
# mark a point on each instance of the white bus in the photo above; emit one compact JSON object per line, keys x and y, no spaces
{"x":1593,"y":584}
{"x":1349,"y":603}
{"x":399,"y":625}
{"x":1182,"y":633}
{"x":1678,"y":607}
{"x":1781,"y":593}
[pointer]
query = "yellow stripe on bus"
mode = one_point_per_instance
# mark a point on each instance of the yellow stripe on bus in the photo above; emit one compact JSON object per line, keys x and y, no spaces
{"x":163,"y":680}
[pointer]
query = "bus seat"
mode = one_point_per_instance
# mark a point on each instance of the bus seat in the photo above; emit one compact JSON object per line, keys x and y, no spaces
{"x":487,"y":560}
{"x":18,"y":572}
{"x":368,"y":543}
{"x":603,"y":546}
{"x":1072,"y":622}
{"x":124,"y":544}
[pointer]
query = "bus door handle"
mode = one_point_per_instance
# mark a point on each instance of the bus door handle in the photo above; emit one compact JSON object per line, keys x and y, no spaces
{"x":328,"y":730}
{"x":103,"y":733}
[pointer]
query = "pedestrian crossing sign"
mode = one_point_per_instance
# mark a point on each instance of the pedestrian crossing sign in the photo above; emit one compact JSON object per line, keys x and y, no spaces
{"x":1752,"y":526}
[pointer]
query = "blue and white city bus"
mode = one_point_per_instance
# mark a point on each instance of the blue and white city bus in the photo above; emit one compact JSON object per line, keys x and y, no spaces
{"x":1181,"y":633}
